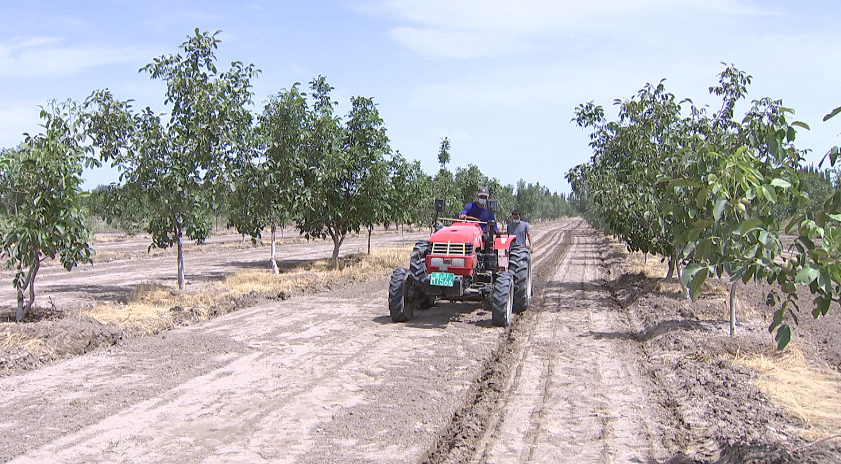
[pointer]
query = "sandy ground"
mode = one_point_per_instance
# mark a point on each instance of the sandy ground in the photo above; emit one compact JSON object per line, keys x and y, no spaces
{"x":576,"y":394}
{"x":585,"y":375}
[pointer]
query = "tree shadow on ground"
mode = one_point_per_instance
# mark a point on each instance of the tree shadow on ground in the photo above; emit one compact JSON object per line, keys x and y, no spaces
{"x":653,"y":331}
{"x":284,"y":265}
{"x":98,"y":292}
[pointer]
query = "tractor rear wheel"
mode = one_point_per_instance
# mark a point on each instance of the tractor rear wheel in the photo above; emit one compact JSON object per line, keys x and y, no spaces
{"x":417,"y":268}
{"x":398,"y":302}
{"x":502,"y":300}
{"x":519,"y":263}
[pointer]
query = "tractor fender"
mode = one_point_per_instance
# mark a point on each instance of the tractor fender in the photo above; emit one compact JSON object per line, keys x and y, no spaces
{"x":504,"y":242}
{"x":502,"y":245}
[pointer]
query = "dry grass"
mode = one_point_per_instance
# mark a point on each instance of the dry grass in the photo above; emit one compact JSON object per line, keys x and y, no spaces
{"x":109,"y":237}
{"x":652,"y":267}
{"x":104,"y":256}
{"x":149,"y":307}
{"x":809,"y":394}
{"x":12,"y":341}
{"x":317,"y":273}
{"x":648,"y":265}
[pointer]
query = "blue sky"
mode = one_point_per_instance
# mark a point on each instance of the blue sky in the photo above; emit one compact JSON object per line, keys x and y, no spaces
{"x":499,"y":78}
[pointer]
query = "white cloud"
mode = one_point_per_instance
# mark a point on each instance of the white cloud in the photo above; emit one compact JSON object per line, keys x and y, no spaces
{"x":439,"y":42}
{"x":476,"y":28}
{"x":46,"y":56}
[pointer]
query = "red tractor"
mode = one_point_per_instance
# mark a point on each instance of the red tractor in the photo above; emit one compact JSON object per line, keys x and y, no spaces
{"x":461,"y":262}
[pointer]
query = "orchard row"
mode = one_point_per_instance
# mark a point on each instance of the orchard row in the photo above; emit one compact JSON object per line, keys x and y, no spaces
{"x":713,"y":194}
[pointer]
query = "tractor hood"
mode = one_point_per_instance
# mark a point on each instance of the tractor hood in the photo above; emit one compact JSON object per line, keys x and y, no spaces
{"x":459,"y":232}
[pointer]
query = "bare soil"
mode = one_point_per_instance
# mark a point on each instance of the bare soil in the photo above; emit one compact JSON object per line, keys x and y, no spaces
{"x":605,"y":366}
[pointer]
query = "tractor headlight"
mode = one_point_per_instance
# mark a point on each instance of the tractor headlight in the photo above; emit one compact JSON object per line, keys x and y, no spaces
{"x":458,"y":262}
{"x":436,"y":262}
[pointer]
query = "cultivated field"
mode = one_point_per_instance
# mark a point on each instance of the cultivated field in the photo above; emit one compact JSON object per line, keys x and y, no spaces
{"x":609,"y":365}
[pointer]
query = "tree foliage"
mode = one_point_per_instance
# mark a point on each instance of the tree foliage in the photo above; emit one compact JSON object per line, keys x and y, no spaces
{"x":40,"y":184}
{"x":702,"y":190}
{"x":266,"y":184}
{"x":345,"y":175}
{"x":177,"y":166}
{"x":118,"y":210}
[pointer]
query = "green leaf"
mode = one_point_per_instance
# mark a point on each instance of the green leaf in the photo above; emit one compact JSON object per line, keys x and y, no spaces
{"x":807,"y":275}
{"x":694,"y":277}
{"x":783,"y":336}
{"x":802,"y":124}
{"x":822,"y":307}
{"x":748,"y":274}
{"x":701,"y":198}
{"x":832,"y":114}
{"x":719,"y":208}
{"x":749,"y":224}
{"x":780,"y":183}
{"x":763,"y":237}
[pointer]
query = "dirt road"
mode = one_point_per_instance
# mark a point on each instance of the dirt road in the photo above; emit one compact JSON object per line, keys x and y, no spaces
{"x":329,"y":378}
{"x":574,"y":392}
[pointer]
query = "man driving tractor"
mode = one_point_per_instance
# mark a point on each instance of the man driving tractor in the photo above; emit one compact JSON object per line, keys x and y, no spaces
{"x":478,"y":210}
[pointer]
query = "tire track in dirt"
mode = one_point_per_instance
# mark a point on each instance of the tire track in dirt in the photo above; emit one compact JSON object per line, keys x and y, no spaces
{"x":570,"y":388}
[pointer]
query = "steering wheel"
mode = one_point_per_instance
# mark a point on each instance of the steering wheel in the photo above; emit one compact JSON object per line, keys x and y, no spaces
{"x":472,"y":218}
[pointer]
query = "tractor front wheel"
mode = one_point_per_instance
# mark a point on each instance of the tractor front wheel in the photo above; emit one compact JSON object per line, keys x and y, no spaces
{"x":398,"y":302}
{"x":417,"y":267}
{"x":502,"y":300}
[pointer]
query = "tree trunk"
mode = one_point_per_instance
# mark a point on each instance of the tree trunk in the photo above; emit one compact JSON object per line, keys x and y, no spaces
{"x":671,"y":269}
{"x":370,"y":229}
{"x":274,"y":263}
{"x":337,"y":242}
{"x":20,"y":314}
{"x":29,"y":282}
{"x":180,"y":247}
{"x":733,"y":309}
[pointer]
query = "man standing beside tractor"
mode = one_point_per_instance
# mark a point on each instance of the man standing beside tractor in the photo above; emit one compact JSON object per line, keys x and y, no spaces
{"x":521,"y":229}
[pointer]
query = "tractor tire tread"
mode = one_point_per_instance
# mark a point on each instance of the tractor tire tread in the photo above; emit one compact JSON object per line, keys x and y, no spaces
{"x":519,"y":263}
{"x":417,"y":268}
{"x":501,"y":299}
{"x":399,"y":307}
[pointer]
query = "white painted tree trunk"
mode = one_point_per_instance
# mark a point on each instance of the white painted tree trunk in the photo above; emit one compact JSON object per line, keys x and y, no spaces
{"x":180,"y":246}
{"x":274,"y":263}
